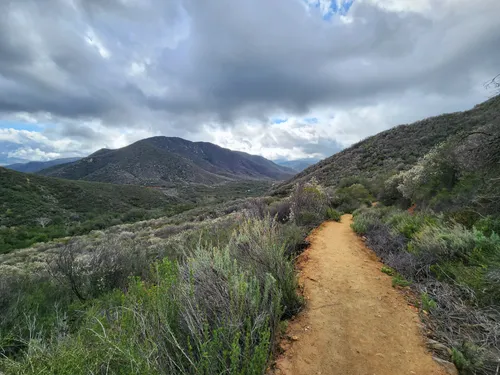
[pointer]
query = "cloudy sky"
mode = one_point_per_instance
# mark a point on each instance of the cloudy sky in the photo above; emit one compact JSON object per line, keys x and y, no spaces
{"x":279,"y":78}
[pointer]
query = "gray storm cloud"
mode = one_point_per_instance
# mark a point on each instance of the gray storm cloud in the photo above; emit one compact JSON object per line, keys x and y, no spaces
{"x":171,"y":67}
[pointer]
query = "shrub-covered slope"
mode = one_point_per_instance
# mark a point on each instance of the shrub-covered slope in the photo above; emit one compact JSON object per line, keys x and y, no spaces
{"x":164,"y":161}
{"x":24,"y":195}
{"x":37,"y":208}
{"x":399,"y":148}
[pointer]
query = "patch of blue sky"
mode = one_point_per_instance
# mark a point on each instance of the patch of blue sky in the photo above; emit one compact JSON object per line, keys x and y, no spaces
{"x":311,"y":120}
{"x":335,"y":7}
{"x":278,"y":120}
{"x":19,"y":125}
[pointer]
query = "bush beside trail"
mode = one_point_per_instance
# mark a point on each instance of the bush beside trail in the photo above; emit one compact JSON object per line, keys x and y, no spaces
{"x":455,"y":268}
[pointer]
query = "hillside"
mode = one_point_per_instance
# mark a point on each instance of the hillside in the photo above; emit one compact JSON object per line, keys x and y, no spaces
{"x":397,"y":149}
{"x":164,"y":161}
{"x":38,"y":208}
{"x":35,"y":166}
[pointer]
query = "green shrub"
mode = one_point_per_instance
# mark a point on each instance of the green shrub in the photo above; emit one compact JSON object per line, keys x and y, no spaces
{"x":293,"y":237}
{"x":388,"y":270}
{"x":442,"y":243}
{"x":281,"y":210}
{"x":260,"y":245}
{"x":427,"y":303}
{"x":32,"y":306}
{"x":390,"y":194}
{"x":465,"y":217}
{"x":479,"y":270}
{"x":398,"y":280}
{"x":468,"y":358}
{"x":360,"y":226}
{"x":89,"y":273}
{"x":364,"y":220}
{"x":333,"y":214}
{"x":350,"y":198}
{"x":408,"y":224}
{"x":308,"y":204}
{"x":488,"y":225}
{"x":217,"y":311}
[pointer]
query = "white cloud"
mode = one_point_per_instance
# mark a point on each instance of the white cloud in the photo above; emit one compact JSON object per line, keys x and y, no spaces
{"x":28,"y":153}
{"x":418,"y":6}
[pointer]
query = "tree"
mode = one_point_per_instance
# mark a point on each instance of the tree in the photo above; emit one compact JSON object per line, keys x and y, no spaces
{"x":43,"y":221}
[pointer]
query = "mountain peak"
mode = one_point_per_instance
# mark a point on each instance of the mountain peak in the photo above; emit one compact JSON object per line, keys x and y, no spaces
{"x":162,"y":161}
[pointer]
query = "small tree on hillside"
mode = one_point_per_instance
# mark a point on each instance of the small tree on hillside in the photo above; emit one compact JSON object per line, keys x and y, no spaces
{"x":43,"y":221}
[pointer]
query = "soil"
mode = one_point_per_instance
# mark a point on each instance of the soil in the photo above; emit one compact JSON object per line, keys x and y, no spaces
{"x":354,"y":322}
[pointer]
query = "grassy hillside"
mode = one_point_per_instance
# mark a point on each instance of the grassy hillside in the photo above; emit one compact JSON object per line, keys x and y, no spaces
{"x":163,"y":161}
{"x":396,"y":149}
{"x":37,"y":208}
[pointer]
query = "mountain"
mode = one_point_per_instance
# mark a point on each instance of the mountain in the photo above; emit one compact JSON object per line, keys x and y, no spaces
{"x":397,"y":149}
{"x":36,"y":166}
{"x":167,"y":161}
{"x":297,"y":165}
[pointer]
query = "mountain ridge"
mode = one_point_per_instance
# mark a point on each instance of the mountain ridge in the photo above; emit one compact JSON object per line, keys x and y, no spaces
{"x":36,"y":166}
{"x":166,"y":161}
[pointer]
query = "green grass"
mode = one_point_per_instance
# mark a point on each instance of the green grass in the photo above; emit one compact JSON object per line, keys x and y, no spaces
{"x":398,"y":280}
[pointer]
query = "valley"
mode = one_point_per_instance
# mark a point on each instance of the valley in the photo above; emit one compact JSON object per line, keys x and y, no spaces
{"x":169,"y":256}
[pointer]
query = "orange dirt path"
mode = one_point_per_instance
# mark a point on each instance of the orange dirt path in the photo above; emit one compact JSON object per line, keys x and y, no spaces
{"x":355,"y":322}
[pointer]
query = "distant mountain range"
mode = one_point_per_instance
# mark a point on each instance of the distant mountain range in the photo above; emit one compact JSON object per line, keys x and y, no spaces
{"x":167,"y":161}
{"x":297,"y":165}
{"x":36,"y":166}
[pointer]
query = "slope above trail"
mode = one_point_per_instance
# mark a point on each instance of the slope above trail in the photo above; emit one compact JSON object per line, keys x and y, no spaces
{"x":355,"y":323}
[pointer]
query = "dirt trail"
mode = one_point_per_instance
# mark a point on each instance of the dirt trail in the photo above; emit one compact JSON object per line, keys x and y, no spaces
{"x":355,"y":323}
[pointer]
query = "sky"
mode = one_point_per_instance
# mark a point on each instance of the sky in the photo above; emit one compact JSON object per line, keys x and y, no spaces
{"x":285,"y":79}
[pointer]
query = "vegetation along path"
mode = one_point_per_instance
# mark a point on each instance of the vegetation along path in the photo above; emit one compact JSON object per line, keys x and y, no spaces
{"x":355,"y":323}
